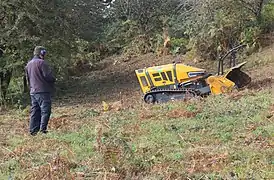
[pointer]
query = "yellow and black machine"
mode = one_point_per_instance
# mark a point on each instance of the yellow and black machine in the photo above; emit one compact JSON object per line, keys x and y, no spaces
{"x":180,"y":81}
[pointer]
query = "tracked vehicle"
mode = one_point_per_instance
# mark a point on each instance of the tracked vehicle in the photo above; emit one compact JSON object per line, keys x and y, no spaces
{"x":180,"y":81}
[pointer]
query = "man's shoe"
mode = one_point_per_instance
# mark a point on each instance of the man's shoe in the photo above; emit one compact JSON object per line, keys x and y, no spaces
{"x":33,"y":133}
{"x":44,"y":131}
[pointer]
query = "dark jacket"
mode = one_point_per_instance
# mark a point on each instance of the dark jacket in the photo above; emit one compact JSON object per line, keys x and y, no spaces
{"x":39,"y":76}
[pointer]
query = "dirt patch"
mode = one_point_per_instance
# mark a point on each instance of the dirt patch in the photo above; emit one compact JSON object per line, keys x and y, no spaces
{"x":239,"y":94}
{"x":261,"y":84}
{"x":262,"y":77}
{"x":116,"y":81}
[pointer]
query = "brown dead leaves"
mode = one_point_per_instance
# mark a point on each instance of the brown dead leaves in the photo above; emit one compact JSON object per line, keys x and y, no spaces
{"x":201,"y":162}
{"x":32,"y":146}
{"x":258,"y":141}
{"x":270,"y":114}
{"x":25,"y":155}
{"x":117,"y":106}
{"x":177,"y":113}
{"x":64,"y":122}
{"x":57,"y":168}
{"x":59,"y":122}
{"x":132,"y":129}
{"x":146,"y":114}
{"x":114,"y":106}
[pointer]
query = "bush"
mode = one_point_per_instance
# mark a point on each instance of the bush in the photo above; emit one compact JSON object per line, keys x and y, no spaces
{"x":267,"y":22}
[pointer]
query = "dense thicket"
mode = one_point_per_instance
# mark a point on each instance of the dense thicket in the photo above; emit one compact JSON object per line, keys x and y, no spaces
{"x":78,"y":33}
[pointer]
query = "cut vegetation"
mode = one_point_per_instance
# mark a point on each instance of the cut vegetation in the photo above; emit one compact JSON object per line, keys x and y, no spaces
{"x":219,"y":137}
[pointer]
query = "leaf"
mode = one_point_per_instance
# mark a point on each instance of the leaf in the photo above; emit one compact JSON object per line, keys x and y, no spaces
{"x":105,"y":106}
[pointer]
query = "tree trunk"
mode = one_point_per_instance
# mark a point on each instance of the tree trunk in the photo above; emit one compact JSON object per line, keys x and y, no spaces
{"x":5,"y":79}
{"x":25,"y":84}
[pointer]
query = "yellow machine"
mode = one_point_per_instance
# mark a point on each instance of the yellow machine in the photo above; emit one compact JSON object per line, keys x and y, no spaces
{"x":180,"y":81}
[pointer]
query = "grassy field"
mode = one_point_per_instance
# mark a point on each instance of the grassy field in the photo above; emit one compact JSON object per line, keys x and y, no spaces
{"x":220,"y":137}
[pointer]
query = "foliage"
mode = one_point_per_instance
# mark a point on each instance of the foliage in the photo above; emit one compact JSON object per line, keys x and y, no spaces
{"x":268,"y":17}
{"x":79,"y":33}
{"x":137,"y":23}
{"x":55,"y":25}
{"x":179,"y":45}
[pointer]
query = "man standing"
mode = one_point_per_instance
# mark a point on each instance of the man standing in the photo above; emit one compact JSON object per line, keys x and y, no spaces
{"x":41,"y":83}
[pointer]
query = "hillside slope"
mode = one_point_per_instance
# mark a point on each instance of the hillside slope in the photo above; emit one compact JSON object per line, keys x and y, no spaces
{"x":115,"y":79}
{"x":228,"y":136}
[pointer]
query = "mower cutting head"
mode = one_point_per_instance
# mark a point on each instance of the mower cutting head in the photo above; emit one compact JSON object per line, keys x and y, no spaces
{"x":240,"y":78}
{"x":233,"y":78}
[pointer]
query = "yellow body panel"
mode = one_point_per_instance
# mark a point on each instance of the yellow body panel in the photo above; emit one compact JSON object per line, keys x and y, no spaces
{"x":164,"y":75}
{"x":220,"y":84}
{"x":143,"y":80}
{"x":184,"y":70}
{"x":159,"y":72}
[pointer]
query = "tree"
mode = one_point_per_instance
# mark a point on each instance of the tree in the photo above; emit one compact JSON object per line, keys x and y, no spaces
{"x":54,"y":24}
{"x":136,"y":23}
{"x":217,"y":25}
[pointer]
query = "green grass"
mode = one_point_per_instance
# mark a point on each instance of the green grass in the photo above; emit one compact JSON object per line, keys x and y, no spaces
{"x":225,"y":137}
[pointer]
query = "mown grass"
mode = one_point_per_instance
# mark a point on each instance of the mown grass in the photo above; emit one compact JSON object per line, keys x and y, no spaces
{"x":228,"y":136}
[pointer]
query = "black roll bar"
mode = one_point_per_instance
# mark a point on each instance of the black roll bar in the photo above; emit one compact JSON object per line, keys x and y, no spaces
{"x":221,"y":59}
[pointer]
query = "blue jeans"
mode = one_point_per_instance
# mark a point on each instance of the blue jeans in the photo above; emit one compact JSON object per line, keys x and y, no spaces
{"x":40,"y":112}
